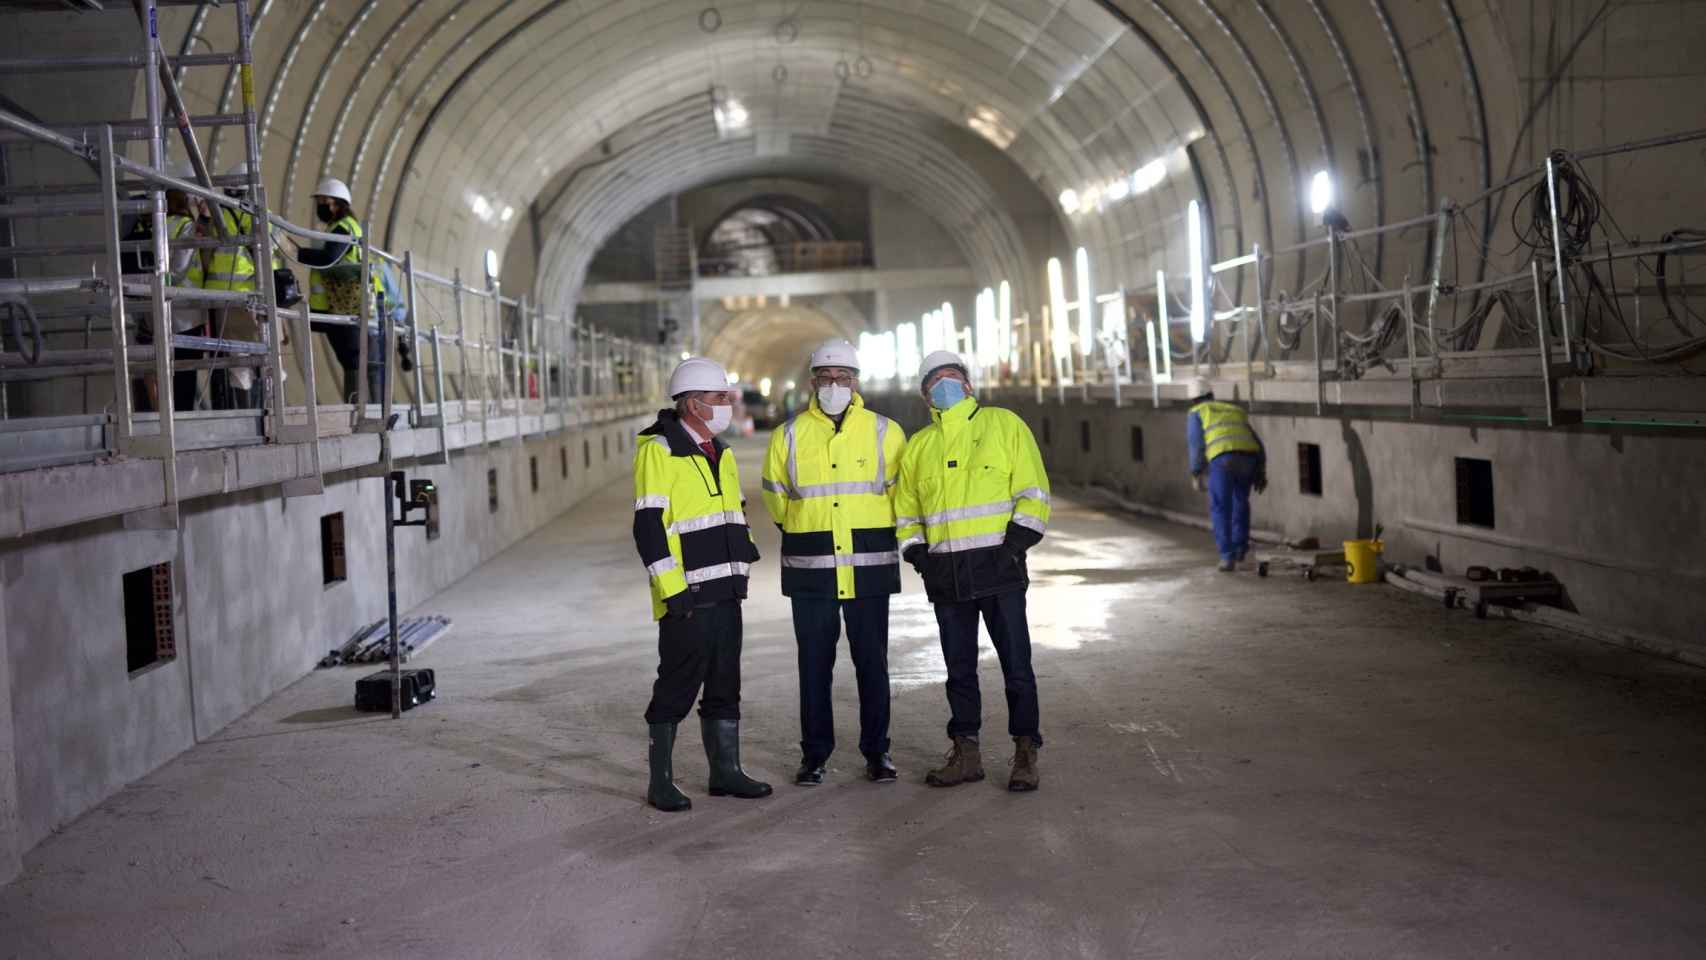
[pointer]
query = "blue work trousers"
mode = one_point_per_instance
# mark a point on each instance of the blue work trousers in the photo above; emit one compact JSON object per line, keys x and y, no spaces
{"x":1229,"y":479}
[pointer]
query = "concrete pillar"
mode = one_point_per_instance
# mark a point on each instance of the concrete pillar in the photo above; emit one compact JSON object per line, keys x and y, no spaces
{"x":10,"y":844}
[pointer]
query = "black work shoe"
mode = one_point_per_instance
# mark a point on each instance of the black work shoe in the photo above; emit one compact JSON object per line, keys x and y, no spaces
{"x":880,"y":769}
{"x":661,"y":792}
{"x":810,"y":773}
{"x":722,"y":750}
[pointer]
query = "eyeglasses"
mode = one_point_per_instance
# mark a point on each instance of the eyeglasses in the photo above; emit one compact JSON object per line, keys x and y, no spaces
{"x":841,"y":381}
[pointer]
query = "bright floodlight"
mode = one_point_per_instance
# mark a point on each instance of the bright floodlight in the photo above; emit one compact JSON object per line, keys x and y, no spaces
{"x":1004,"y":320}
{"x":985,"y":327}
{"x":1086,"y":304}
{"x":907,"y":357}
{"x":1118,"y":188}
{"x":1069,"y":200}
{"x":491,"y":263}
{"x":1199,"y":306}
{"x":1321,"y":193}
{"x":1057,"y":307}
{"x":1149,"y":176}
{"x":764,"y":386}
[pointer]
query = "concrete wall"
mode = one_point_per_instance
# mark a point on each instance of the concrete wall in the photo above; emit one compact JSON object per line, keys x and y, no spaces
{"x":903,"y":237}
{"x":252,"y":613}
{"x":1614,"y":514}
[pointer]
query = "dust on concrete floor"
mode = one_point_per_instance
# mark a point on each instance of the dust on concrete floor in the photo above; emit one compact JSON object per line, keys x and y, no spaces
{"x":1234,"y":767}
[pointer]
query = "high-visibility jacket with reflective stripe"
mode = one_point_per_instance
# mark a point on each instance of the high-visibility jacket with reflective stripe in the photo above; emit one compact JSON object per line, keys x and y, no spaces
{"x":973,"y":488}
{"x":231,"y":268}
{"x":689,"y":517}
{"x":1225,"y":429}
{"x":318,"y":299}
{"x":829,"y":489}
{"x":181,"y":228}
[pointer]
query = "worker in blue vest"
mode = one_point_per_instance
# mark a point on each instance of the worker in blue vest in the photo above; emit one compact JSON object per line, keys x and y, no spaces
{"x":1225,"y":446}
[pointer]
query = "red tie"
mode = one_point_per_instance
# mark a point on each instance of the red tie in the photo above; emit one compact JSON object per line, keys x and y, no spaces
{"x":710,"y":451}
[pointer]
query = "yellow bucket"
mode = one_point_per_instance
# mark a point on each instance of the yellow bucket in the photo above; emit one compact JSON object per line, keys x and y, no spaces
{"x":1362,"y":560}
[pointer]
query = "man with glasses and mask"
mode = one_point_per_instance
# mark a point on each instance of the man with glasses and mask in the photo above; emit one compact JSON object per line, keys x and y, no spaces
{"x":828,"y":481}
{"x":691,"y":532}
{"x":973,"y":498}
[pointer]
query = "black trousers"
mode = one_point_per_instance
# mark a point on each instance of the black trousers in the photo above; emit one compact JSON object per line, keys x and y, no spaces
{"x":345,"y":342}
{"x":1004,"y":615}
{"x":817,"y":631}
{"x":693,"y":652}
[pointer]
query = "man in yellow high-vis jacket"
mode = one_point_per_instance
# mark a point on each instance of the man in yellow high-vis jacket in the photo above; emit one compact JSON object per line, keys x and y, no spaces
{"x":1224,"y":445}
{"x":973,"y":497}
{"x":691,"y":533}
{"x":827,"y":483}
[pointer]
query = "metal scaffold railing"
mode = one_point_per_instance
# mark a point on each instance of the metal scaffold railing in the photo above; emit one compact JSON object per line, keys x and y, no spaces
{"x":109,"y":309}
{"x":1476,"y":325}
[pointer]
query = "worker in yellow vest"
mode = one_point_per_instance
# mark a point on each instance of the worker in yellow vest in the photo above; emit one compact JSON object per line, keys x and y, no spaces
{"x":973,"y":499}
{"x":233,"y":268}
{"x":828,"y":483}
{"x":334,"y":274}
{"x":691,"y":533}
{"x":1225,"y":446}
{"x":185,"y":268}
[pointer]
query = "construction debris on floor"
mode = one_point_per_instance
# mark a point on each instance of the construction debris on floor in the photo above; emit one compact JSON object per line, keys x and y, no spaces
{"x":371,"y":643}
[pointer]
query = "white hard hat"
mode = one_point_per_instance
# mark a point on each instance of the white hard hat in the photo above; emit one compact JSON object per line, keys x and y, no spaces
{"x":334,"y":188}
{"x":240,"y":170}
{"x":184,"y":170}
{"x":697,"y":373}
{"x":835,"y":352}
{"x":937,"y":360}
{"x":1199,"y":386}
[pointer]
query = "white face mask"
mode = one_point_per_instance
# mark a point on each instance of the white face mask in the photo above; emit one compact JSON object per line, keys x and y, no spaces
{"x":720,"y":419}
{"x":833,"y":398}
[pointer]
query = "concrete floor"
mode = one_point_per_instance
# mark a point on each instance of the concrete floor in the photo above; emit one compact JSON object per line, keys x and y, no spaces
{"x":1236,"y":767}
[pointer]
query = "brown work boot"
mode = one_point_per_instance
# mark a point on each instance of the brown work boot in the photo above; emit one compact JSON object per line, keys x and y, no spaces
{"x":1024,"y":777}
{"x":964,"y":764}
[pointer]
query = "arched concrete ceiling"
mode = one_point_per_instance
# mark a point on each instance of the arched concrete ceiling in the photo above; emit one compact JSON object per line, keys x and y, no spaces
{"x":434,"y":108}
{"x":775,"y":341}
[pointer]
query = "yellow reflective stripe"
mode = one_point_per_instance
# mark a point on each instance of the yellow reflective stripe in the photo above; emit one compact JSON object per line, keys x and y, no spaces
{"x":958,"y":544}
{"x":908,"y":521}
{"x":717,"y":572}
{"x":775,"y":487}
{"x":651,"y":503}
{"x":661,"y":567}
{"x":1032,"y":493}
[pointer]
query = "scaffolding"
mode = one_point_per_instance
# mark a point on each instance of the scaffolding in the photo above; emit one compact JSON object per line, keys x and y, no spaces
{"x":486,"y":368}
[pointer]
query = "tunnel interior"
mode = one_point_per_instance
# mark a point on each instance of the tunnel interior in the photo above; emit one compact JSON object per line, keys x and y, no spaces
{"x":1438,"y":254}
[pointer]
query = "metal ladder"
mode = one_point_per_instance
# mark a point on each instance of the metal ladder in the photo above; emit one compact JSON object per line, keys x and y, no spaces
{"x":152,"y":294}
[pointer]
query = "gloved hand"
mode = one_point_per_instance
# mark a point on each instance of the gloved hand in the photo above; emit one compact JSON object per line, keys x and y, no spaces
{"x":1260,"y":483}
{"x":1014,"y":553}
{"x":680,"y":605}
{"x":915,"y":556}
{"x":1196,"y":482}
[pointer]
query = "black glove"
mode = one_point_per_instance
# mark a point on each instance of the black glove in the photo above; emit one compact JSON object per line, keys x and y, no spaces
{"x":1260,"y":483}
{"x":680,"y":605}
{"x":1014,"y":552}
{"x":915,"y":555}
